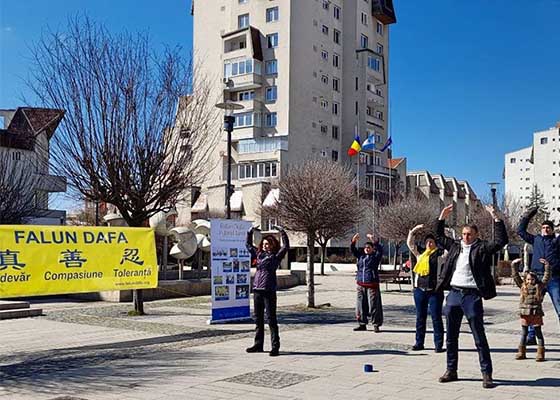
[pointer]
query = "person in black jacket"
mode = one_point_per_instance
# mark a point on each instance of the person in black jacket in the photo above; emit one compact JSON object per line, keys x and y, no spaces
{"x":426,"y":296}
{"x":368,"y":301}
{"x":545,"y":246}
{"x":268,"y":256}
{"x":468,"y":277}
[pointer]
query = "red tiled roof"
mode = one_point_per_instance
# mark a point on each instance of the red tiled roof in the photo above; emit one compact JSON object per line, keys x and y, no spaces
{"x":394,"y":162}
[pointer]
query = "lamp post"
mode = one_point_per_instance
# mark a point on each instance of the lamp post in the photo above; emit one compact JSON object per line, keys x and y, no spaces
{"x":229,"y":107}
{"x":493,"y":188}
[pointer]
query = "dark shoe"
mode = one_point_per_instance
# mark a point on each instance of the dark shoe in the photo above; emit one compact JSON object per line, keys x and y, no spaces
{"x":449,"y":376}
{"x":274,"y":352}
{"x":360,"y":328}
{"x":439,"y":350}
{"x":531,"y":341}
{"x":487,"y":382}
{"x":417,"y":347}
{"x":254,"y":349}
{"x":376,"y":328}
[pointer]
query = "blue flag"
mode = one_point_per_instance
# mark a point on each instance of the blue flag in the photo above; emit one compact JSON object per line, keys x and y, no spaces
{"x":369,"y":143}
{"x":387,"y":144}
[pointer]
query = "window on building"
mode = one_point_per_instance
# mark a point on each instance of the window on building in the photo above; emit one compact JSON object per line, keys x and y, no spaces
{"x":325,"y":29}
{"x":242,"y":67}
{"x":364,"y":41}
{"x":272,"y":14}
{"x":272,"y":40}
{"x":334,"y":155}
{"x":271,"y":67}
{"x":243,"y":21}
{"x":336,"y":60}
{"x":374,"y":63}
{"x":369,"y":111}
{"x":334,"y":131}
{"x":378,"y":115}
{"x":324,"y":54}
{"x":325,"y":79}
{"x":271,"y":120}
{"x":336,"y":12}
{"x":379,"y":48}
{"x":544,"y":140}
{"x":324,"y":129}
{"x":245,"y":96}
{"x":336,"y":36}
{"x":364,"y":19}
{"x":336,"y":84}
{"x":335,"y":108}
{"x":512,"y":160}
{"x":271,"y":93}
{"x":243,"y":120}
{"x":326,"y":4}
{"x":243,"y":1}
{"x":379,"y":28}
{"x":324,"y":103}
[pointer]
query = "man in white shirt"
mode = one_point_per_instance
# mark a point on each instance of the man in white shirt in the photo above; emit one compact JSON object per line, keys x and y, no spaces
{"x":468,"y":277}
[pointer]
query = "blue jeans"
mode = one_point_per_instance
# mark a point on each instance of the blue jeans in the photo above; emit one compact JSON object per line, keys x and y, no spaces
{"x":466,"y":302}
{"x":433,"y":301}
{"x":553,"y":290}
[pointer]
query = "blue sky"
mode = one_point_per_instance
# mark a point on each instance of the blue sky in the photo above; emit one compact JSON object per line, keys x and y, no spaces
{"x":470,"y":79}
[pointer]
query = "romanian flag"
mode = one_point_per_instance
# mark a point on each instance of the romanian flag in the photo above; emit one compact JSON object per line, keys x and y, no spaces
{"x":355,"y":147}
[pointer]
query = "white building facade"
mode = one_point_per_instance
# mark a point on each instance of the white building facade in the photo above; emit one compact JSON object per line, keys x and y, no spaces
{"x":537,"y":165}
{"x":309,"y":75}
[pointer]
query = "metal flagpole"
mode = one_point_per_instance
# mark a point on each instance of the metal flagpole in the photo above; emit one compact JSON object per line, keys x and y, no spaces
{"x":357,"y":166}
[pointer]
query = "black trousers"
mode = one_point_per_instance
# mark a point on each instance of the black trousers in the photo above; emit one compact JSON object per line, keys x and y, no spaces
{"x":265,"y":300}
{"x":468,"y":303}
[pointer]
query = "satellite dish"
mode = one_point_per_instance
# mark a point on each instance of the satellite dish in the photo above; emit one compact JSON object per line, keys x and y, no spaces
{"x":205,"y":246}
{"x":186,"y":239}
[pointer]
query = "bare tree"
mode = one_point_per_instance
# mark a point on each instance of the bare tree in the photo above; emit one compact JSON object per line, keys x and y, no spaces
{"x":398,"y":217}
{"x":316,"y":198}
{"x":18,"y":182}
{"x":137,"y":130}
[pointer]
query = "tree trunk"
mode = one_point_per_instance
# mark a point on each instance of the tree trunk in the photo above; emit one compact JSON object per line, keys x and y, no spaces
{"x":323,"y":254}
{"x":397,"y":247}
{"x":310,"y":271}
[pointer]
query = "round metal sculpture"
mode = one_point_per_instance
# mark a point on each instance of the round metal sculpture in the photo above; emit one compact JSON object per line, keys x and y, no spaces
{"x":186,"y":240}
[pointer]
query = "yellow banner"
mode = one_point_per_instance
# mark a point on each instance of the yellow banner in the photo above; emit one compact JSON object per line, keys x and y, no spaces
{"x":41,"y":260}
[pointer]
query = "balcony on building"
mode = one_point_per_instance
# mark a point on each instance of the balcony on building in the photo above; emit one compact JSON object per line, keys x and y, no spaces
{"x":51,"y":183}
{"x":373,"y":64}
{"x":374,"y":99}
{"x":243,"y":59}
{"x":384,"y":11}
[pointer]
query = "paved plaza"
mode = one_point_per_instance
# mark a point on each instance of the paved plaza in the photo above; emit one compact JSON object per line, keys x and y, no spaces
{"x":93,"y":351}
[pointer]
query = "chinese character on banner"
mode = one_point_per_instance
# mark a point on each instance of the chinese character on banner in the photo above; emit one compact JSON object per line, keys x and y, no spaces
{"x":72,"y":259}
{"x":132,"y":256}
{"x":9,"y":258}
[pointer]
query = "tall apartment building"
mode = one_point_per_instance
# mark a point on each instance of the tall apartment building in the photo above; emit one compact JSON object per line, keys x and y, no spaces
{"x":537,"y":165}
{"x":309,"y":73}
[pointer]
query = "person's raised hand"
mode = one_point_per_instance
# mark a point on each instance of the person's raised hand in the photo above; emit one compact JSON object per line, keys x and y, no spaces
{"x":445,"y":212}
{"x":355,"y":238}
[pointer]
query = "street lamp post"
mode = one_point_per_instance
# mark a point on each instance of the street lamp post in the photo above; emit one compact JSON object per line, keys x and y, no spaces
{"x":493,"y":188}
{"x":229,"y":119}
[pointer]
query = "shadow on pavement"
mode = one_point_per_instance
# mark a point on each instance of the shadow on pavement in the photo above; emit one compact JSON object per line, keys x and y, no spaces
{"x":349,"y":353}
{"x":74,"y":371}
{"x":541,"y":382}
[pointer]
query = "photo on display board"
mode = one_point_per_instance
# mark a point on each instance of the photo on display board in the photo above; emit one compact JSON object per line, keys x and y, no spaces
{"x":221,"y":293}
{"x":242,"y":278}
{"x":235,"y":265}
{"x":233,"y":252}
{"x":244,"y":253}
{"x":218,"y":280}
{"x":219,"y":253}
{"x":245,"y":266}
{"x":242,"y":292}
{"x":227,"y":266}
{"x":230,"y":279}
